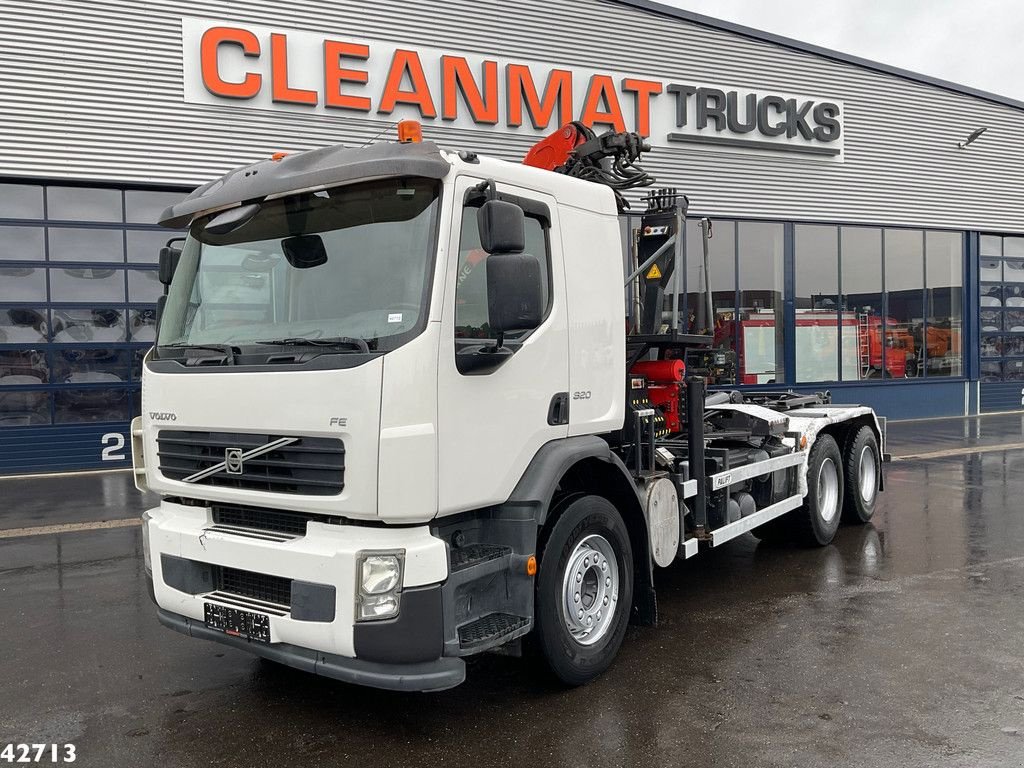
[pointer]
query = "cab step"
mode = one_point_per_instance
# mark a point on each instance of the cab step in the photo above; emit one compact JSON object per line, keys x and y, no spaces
{"x":476,"y":554}
{"x":492,"y":630}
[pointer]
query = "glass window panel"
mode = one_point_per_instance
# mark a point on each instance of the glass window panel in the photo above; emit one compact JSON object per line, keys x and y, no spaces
{"x":144,"y":245}
{"x":1013,"y":320}
{"x":144,"y":286}
{"x":990,"y":270}
{"x":69,"y":244}
{"x":761,"y":285}
{"x":23,"y":366}
{"x":991,"y":371}
{"x":1013,"y":271}
{"x":142,"y":325}
{"x":944,"y":269}
{"x":85,"y":365}
{"x":24,"y":408}
{"x":861,"y":252}
{"x":991,"y":345}
{"x":904,"y":281}
{"x":83,"y":204}
{"x":23,"y":325}
{"x":145,"y":207}
{"x":22,"y":284}
{"x":138,"y":355}
{"x":96,"y":404}
{"x":1013,"y":346}
{"x":136,"y":402}
{"x":991,"y":320}
{"x":22,"y":243}
{"x":21,"y":201}
{"x":1013,"y":370}
{"x":1013,"y":295}
{"x":72,"y":326}
{"x":817,"y":289}
{"x":991,"y":295}
{"x":719,"y":366}
{"x":84,"y":284}
{"x":1013,"y":246}
{"x":991,"y":245}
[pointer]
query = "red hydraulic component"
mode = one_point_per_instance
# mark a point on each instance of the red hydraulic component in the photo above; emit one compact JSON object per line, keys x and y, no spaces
{"x":660,"y":371}
{"x":553,"y":151}
{"x":665,"y":388}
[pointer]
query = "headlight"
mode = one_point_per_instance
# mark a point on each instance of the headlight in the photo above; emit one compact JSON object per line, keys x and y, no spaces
{"x":379,"y":576}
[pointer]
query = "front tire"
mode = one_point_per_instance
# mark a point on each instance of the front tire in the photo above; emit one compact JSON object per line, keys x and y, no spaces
{"x":817,"y":521}
{"x":862,"y":466}
{"x":584,"y":590}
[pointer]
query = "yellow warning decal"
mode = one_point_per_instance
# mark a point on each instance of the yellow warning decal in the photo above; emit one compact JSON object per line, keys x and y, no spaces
{"x":654,"y":273}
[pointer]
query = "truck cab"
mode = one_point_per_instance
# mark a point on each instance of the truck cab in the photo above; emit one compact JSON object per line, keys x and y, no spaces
{"x":389,"y":417}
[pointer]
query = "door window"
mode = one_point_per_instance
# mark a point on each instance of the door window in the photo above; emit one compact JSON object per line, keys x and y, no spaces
{"x":471,"y":309}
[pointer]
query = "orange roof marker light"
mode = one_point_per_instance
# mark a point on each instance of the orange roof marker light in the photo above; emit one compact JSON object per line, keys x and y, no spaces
{"x":278,"y":156}
{"x":410,"y":131}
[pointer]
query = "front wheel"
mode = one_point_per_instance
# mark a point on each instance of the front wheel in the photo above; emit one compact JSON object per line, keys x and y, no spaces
{"x":584,"y":590}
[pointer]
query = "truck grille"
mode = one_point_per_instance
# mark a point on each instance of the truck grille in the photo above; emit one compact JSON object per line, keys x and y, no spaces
{"x":258,"y":586}
{"x":275,"y":520}
{"x":309,"y":465}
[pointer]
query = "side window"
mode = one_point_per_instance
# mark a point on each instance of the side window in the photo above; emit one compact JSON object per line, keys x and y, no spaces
{"x":471,"y":283}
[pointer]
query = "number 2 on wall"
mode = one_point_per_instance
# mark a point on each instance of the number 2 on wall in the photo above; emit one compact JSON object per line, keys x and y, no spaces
{"x":113,"y":447}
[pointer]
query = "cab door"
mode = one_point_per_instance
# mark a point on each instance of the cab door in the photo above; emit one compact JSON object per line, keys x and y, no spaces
{"x":494,"y":415}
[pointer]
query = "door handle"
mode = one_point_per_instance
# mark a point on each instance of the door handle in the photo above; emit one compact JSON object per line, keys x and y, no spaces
{"x":558,"y":411}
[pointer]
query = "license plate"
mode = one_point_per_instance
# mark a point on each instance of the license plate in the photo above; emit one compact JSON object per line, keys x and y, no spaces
{"x":237,"y":623}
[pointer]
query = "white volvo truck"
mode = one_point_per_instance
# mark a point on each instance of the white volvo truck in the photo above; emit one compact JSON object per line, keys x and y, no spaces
{"x":408,"y":405}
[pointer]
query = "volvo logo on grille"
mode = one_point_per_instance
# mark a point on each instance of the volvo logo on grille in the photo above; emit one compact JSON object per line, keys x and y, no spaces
{"x":233,"y":460}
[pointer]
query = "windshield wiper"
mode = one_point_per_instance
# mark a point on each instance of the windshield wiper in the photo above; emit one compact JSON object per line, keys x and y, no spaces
{"x":229,"y":352}
{"x":341,"y":342}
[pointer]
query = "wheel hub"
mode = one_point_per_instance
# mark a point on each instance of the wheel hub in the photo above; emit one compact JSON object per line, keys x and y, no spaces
{"x":828,"y":490}
{"x":868,"y":480}
{"x":590,"y":590}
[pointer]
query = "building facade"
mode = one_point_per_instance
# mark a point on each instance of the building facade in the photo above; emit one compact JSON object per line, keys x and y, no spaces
{"x":857,"y":246}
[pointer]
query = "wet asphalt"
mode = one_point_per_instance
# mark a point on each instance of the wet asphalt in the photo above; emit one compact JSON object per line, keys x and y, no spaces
{"x":902,"y":644}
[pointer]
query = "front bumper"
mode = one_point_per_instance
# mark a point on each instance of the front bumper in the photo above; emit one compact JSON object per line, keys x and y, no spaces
{"x":434,"y":675}
{"x":403,"y":653}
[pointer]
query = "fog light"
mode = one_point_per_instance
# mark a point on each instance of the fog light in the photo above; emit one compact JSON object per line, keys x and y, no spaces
{"x":378,"y":607}
{"x":379,"y":587}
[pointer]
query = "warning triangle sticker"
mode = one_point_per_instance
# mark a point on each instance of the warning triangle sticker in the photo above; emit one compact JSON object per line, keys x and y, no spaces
{"x":654,"y":273}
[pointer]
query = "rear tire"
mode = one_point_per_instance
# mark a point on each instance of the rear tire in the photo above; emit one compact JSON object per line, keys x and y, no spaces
{"x":816,"y":522}
{"x":862,"y":467}
{"x":586,"y":567}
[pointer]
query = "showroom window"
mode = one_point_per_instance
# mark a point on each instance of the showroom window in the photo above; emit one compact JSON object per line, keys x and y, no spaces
{"x":745,"y":276}
{"x":877,"y":303}
{"x":77,"y":300}
{"x":1001,"y":326}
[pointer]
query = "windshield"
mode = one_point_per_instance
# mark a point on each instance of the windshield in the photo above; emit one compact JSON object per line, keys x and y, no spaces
{"x":349,"y":266}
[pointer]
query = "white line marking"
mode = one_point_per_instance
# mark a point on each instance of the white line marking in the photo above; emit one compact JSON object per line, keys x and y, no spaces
{"x":960,"y":452}
{"x":46,"y":530}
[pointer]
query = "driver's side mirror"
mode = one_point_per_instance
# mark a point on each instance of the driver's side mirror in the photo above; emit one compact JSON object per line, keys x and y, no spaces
{"x":515,"y":293}
{"x":169,"y":258}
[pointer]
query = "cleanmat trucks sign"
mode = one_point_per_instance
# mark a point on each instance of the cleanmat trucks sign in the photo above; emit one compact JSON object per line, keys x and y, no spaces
{"x":229,"y":63}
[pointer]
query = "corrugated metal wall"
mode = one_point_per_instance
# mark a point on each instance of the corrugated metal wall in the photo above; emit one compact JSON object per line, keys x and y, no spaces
{"x":92,"y":89}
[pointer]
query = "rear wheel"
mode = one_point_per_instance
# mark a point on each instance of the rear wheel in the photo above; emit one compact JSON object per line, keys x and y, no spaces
{"x":816,"y":522}
{"x":584,"y":590}
{"x":862,"y":464}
